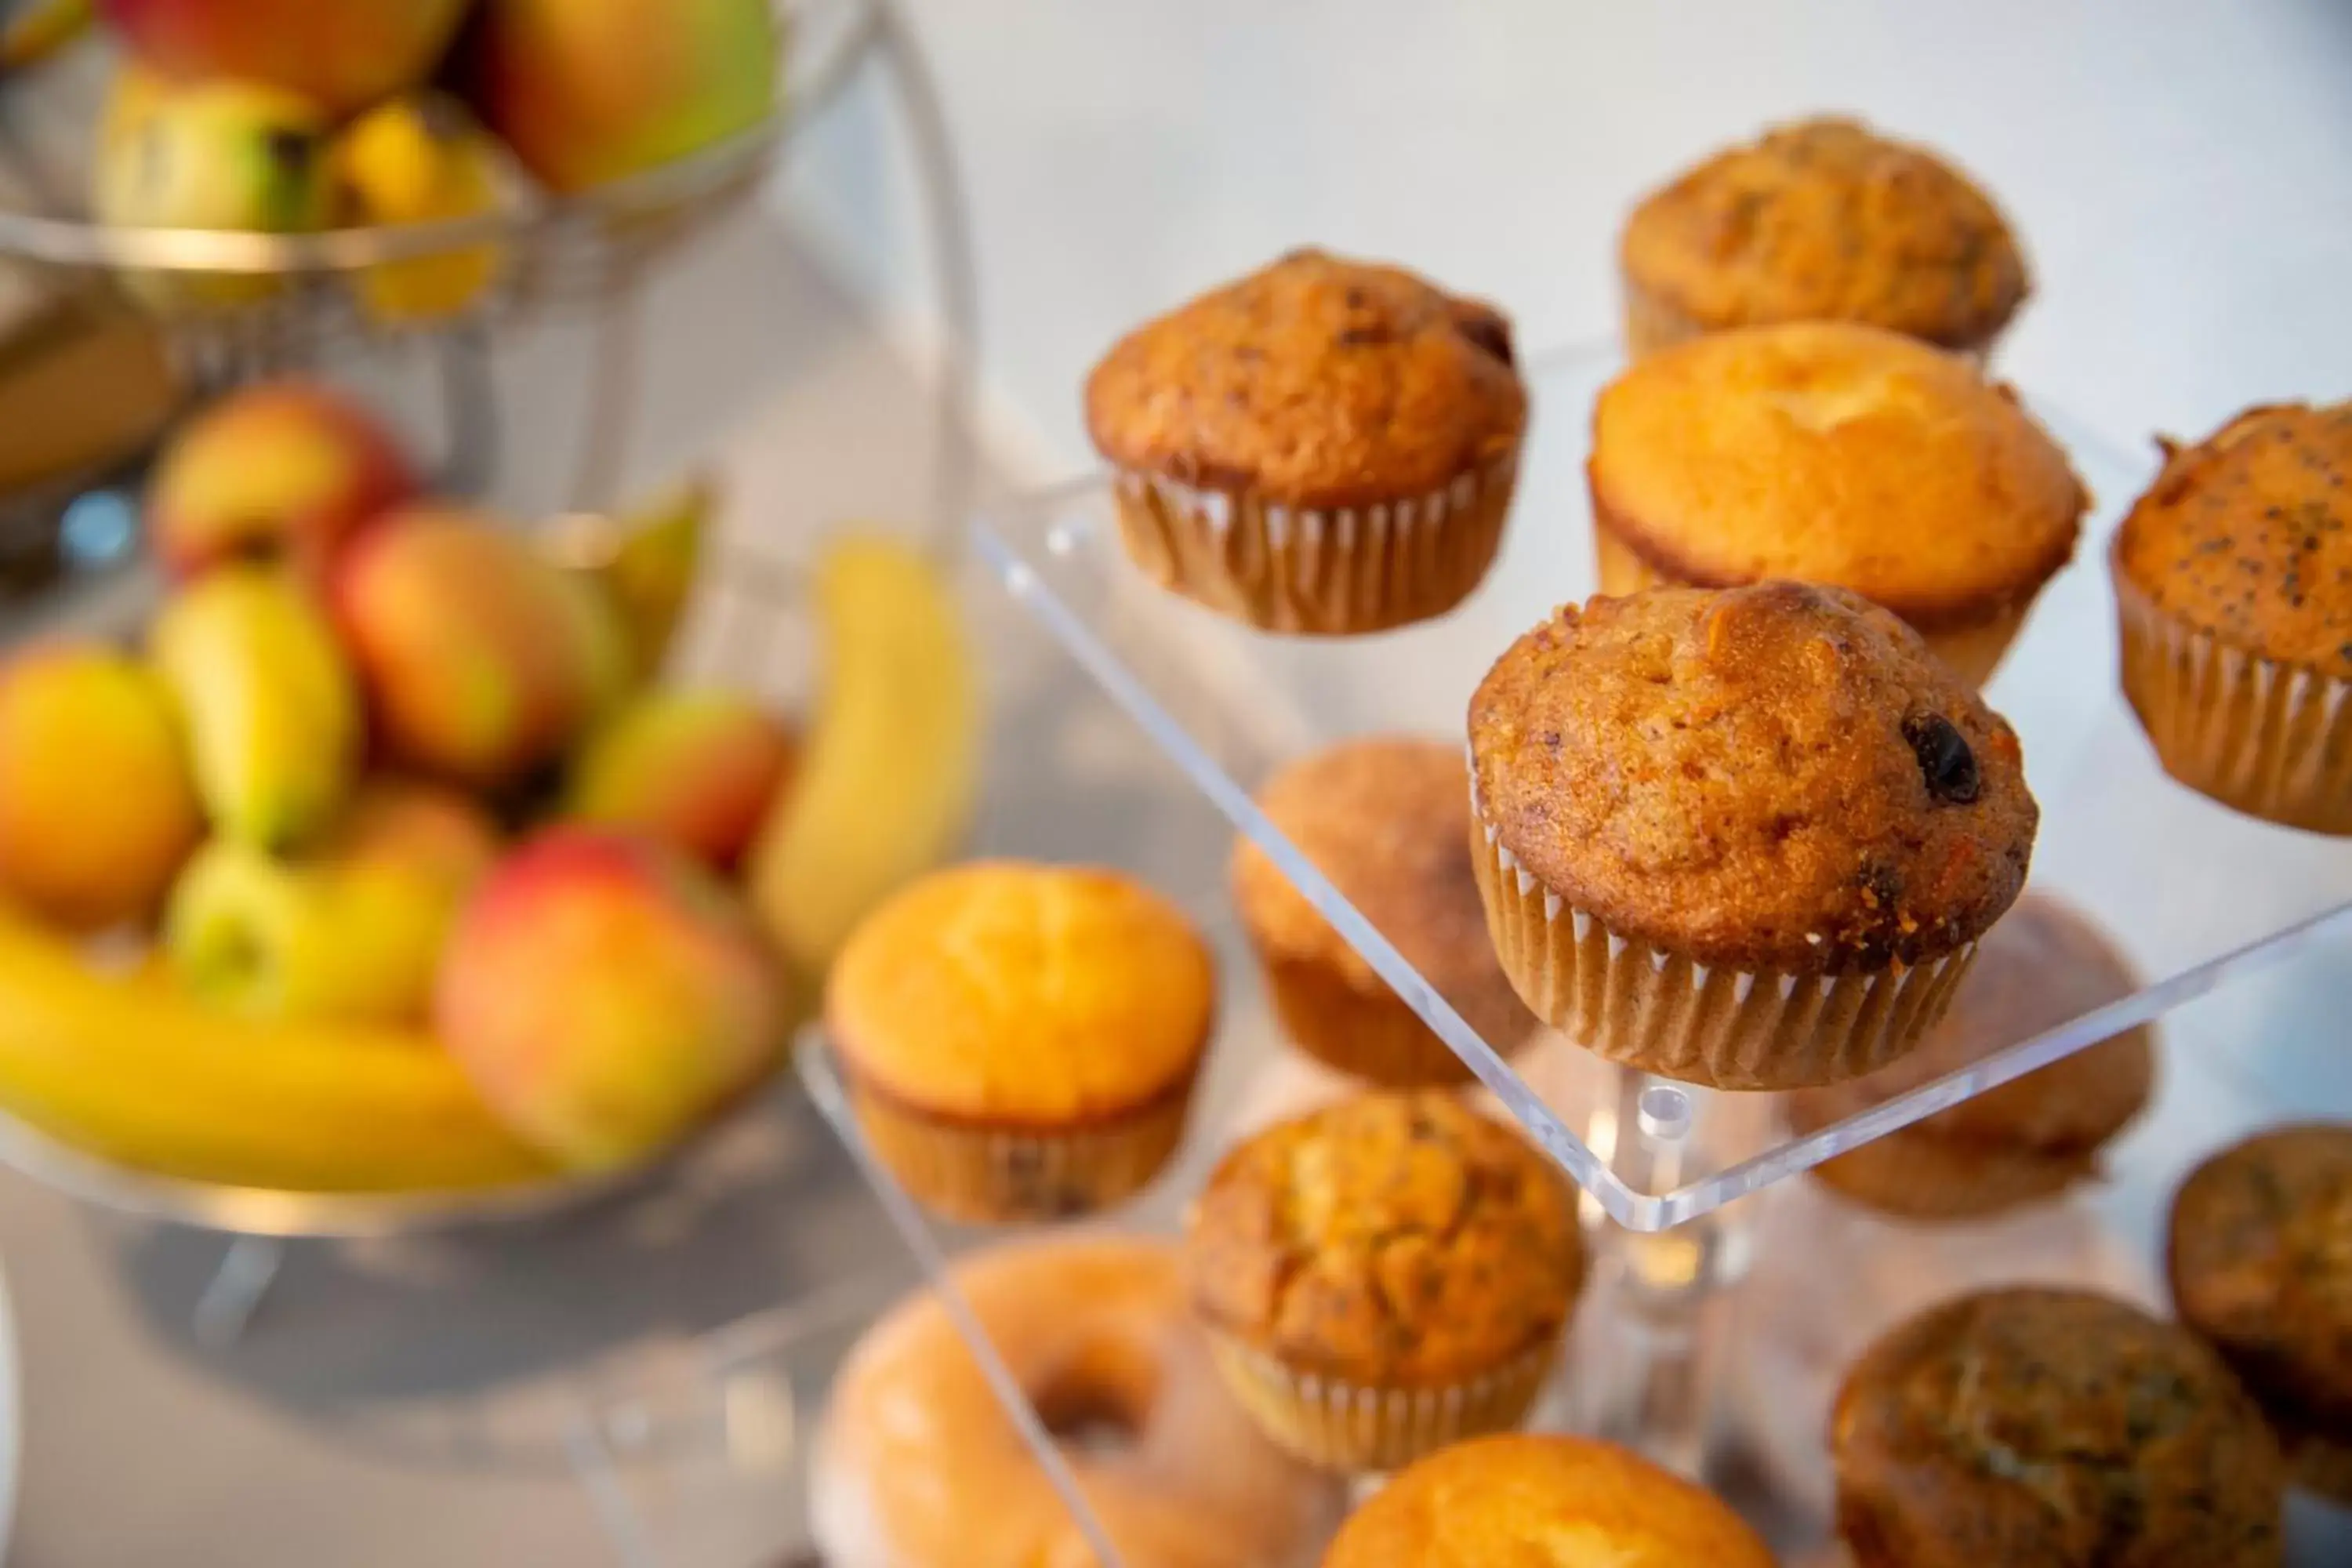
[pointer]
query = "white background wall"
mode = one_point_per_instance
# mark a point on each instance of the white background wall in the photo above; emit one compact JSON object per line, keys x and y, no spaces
{"x":2181,"y":169}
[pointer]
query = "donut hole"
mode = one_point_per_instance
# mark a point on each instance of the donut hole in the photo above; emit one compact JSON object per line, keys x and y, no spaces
{"x":1098,"y":1401}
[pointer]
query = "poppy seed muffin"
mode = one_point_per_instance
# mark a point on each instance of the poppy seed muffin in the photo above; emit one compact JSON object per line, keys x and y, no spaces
{"x":1745,"y":838}
{"x":1387,"y":820}
{"x":1384,"y":1276}
{"x":2033,"y":1137}
{"x":2234,"y":593}
{"x":2260,"y":1258}
{"x":1324,"y":446}
{"x":1543,"y":1502}
{"x":1020,"y":1041}
{"x":1821,"y":220}
{"x":1835,"y":453}
{"x":2046,"y":1428}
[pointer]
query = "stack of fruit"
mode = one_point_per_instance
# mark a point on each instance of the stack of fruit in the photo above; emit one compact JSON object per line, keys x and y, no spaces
{"x":352,"y":697}
{"x":292,"y":116}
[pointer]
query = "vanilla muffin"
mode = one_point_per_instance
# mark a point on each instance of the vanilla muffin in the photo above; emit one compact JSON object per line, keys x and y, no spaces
{"x":2260,"y":1257}
{"x":1387,"y":820}
{"x":1544,"y":1502}
{"x":1746,"y":838}
{"x":1020,"y":1041}
{"x":2032,"y":1138}
{"x":1324,"y":446}
{"x":2041,"y":1428}
{"x":1821,"y":220}
{"x":1384,"y":1276}
{"x":2234,"y":593}
{"x":1835,"y":453}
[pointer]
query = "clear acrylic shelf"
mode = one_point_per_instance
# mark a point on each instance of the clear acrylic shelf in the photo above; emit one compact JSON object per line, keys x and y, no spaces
{"x":2197,"y":895}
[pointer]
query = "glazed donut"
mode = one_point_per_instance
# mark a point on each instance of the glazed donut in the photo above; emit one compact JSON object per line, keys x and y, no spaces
{"x":917,"y":1465}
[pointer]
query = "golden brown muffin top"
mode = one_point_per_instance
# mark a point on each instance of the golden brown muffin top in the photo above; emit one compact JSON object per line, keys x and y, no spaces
{"x":1780,"y":777}
{"x":1825,"y":220}
{"x":1835,"y":453}
{"x":2247,"y":535}
{"x":1394,"y":1239}
{"x":1316,"y":382}
{"x":2261,"y":1263}
{"x":2043,"y":965}
{"x":1387,"y":819}
{"x":2045,"y":1428}
{"x":1543,"y":1502}
{"x":1020,"y":994}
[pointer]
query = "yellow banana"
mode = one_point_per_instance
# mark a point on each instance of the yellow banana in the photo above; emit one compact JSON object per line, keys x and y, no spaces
{"x":885,"y":785}
{"x":126,"y":1067}
{"x":414,"y":160}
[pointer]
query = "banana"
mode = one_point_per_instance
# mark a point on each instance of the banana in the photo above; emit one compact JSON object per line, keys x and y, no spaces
{"x":127,"y":1069}
{"x":414,"y":160}
{"x":644,"y":560}
{"x":887,"y":784}
{"x":34,"y":32}
{"x":273,"y":711}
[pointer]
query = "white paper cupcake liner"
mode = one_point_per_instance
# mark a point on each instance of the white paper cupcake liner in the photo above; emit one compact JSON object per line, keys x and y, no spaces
{"x":1337,"y":1425}
{"x":1330,"y":572}
{"x":1664,"y":1013}
{"x":2269,"y":739}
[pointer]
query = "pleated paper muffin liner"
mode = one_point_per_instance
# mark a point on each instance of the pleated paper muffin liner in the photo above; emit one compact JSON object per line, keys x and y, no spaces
{"x":1972,"y":653}
{"x":1653,"y":323}
{"x":1357,"y":1428}
{"x":1326,"y":571}
{"x":2270,"y":738}
{"x":981,"y":1174}
{"x":1662,"y":1013}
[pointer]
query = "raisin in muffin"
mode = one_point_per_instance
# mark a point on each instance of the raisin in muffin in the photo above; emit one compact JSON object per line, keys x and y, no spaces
{"x":1746,"y":838}
{"x":1821,"y":220}
{"x":2032,"y":1138}
{"x":1323,"y":447}
{"x":2260,"y":1257}
{"x":1384,"y":1276}
{"x":2042,"y":1429}
{"x":1387,"y":820}
{"x":1835,"y":453}
{"x":2234,"y":590}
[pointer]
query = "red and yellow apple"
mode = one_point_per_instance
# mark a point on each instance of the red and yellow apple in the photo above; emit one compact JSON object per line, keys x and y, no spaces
{"x":482,"y":662}
{"x":97,"y":807}
{"x":342,"y":54}
{"x":587,"y":92}
{"x":290,"y":470}
{"x":695,"y":768}
{"x":605,"y":995}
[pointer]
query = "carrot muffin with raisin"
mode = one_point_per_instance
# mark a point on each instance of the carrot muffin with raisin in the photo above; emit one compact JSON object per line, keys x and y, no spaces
{"x":2234,"y":590}
{"x":1020,"y":1041}
{"x":2032,"y":1138}
{"x":2045,"y":1428}
{"x":1821,"y":220}
{"x":1835,"y":453}
{"x":1387,"y":820}
{"x":2260,"y":1257}
{"x":1384,"y":1277}
{"x":1746,"y":838}
{"x":1324,"y":446}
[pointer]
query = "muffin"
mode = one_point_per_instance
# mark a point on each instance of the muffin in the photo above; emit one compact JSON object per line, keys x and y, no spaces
{"x":1572,"y":1502}
{"x":2039,"y":1428}
{"x":2233,"y":594}
{"x":1324,"y":446}
{"x":2032,"y":1138}
{"x":1821,"y":220}
{"x":2260,"y":1257}
{"x":1019,"y":1041}
{"x":1745,"y":838}
{"x":1835,"y":453}
{"x":1387,"y":820}
{"x":1384,"y":1276}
